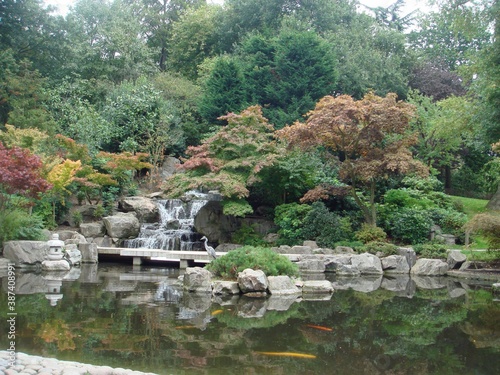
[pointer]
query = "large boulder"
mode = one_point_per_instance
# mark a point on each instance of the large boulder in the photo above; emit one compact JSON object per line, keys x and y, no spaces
{"x":455,"y":259}
{"x":252,"y":281}
{"x":55,"y":265}
{"x":89,"y":252}
{"x":71,"y":237}
{"x":145,"y":208}
{"x":282,"y":285}
{"x":335,"y":262}
{"x":92,"y":230}
{"x":26,"y":253}
{"x":198,"y":280}
{"x":395,"y":264}
{"x":222,"y":287}
{"x":212,"y":223}
{"x":409,"y":254}
{"x":367,"y":264}
{"x":122,"y":225}
{"x":314,"y":264}
{"x":317,"y":287}
{"x":430,"y":267}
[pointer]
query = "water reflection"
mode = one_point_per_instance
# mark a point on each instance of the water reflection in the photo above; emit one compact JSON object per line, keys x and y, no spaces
{"x":141,"y":319}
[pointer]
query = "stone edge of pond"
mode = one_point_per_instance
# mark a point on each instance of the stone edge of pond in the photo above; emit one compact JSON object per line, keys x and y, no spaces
{"x":32,"y":364}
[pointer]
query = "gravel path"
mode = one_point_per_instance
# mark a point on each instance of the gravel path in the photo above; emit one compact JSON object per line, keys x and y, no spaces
{"x":30,"y":365}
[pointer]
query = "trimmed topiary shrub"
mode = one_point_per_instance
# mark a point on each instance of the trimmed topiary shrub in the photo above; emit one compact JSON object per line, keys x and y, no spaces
{"x":257,"y":258}
{"x":410,"y":225}
{"x":378,"y":247}
{"x":432,"y":251}
{"x":370,"y":233}
{"x":326,"y":227}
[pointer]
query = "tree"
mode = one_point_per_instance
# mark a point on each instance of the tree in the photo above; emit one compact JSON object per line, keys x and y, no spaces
{"x":230,"y":161}
{"x":370,"y":58}
{"x":20,"y":173}
{"x":223,"y":91}
{"x":370,"y":138}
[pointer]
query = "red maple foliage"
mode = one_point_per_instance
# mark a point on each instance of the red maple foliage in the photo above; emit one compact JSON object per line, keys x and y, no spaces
{"x":20,"y":172}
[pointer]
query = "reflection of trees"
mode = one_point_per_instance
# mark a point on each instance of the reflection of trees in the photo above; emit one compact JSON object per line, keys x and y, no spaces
{"x":427,"y":334}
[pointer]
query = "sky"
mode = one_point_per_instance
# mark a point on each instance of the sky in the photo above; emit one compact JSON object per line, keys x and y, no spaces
{"x":410,"y":6}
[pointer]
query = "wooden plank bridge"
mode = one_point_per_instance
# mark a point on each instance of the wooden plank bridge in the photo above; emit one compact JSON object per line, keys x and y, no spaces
{"x":185,"y":258}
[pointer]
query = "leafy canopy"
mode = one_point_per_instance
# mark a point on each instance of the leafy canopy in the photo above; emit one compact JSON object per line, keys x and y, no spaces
{"x":369,"y":137}
{"x":229,"y":161}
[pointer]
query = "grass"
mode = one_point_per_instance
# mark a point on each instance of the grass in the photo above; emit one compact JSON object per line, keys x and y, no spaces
{"x":471,"y":207}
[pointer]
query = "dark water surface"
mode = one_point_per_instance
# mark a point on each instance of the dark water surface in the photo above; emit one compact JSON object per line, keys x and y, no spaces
{"x":140,"y":319}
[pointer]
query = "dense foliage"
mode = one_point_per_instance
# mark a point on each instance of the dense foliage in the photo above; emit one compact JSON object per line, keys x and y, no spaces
{"x":90,"y":99}
{"x":257,"y":258}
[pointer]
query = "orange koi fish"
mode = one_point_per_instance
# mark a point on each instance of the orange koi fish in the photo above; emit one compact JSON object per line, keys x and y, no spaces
{"x":217,"y":312}
{"x":288,"y":354}
{"x":321,"y":328}
{"x":185,"y":327}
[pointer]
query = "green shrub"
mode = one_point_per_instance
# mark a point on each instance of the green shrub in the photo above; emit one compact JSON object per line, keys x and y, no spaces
{"x":430,"y":183}
{"x":19,"y":225}
{"x":257,"y":258}
{"x":247,"y":235}
{"x":325,"y":227}
{"x":99,"y":212}
{"x":410,"y":225}
{"x":433,"y":251}
{"x":77,"y":218}
{"x":378,"y":247}
{"x":370,"y":233}
{"x":290,"y":220}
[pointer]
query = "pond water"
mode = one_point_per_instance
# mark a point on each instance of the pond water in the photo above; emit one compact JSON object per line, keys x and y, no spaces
{"x":139,"y":318}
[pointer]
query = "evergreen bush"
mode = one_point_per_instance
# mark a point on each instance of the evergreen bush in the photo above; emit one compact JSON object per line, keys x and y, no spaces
{"x":257,"y":258}
{"x":410,"y":225}
{"x":19,"y":225}
{"x":370,"y":233}
{"x":432,"y":251}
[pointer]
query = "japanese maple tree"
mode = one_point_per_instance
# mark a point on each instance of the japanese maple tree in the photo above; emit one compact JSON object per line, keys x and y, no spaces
{"x":370,"y":138}
{"x":20,"y":173}
{"x":230,"y":160}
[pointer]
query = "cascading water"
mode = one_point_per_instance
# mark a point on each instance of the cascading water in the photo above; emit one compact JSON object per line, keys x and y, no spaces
{"x":175,"y":231}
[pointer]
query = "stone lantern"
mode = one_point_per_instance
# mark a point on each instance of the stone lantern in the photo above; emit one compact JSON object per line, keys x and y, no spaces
{"x":55,"y":248}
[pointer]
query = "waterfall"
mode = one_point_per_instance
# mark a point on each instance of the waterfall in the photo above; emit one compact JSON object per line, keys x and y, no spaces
{"x":175,"y":231}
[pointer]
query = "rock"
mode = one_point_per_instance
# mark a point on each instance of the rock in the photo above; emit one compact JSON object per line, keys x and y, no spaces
{"x":283,"y":249}
{"x":198,"y":280}
{"x":220,"y":287}
{"x":311,"y":264}
{"x":317,"y":287}
{"x":251,"y":307}
{"x":70,"y":236}
{"x":300,"y":250}
{"x":333,"y":263}
{"x":212,"y":223}
{"x":367,"y":264}
{"x":145,"y":208}
{"x":429,"y":267}
{"x":122,"y":225}
{"x":496,"y":287}
{"x":447,"y":239}
{"x":395,"y":264}
{"x":55,"y":265}
{"x":169,"y":167}
{"x":89,"y":252}
{"x":312,"y":244}
{"x":92,"y":230}
{"x":105,"y":241}
{"x":282,"y":285}
{"x":409,"y":254}
{"x":271,"y":237}
{"x":324,"y":251}
{"x":25,"y":253}
{"x":347,"y":270}
{"x":72,"y":254}
{"x":455,"y":259}
{"x":252,"y":281}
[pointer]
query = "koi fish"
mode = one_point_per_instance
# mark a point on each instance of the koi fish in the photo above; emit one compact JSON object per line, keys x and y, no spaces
{"x":216,"y":312}
{"x":321,"y":328}
{"x":288,"y":354}
{"x":185,"y":327}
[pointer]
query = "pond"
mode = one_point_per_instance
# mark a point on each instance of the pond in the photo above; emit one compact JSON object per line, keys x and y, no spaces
{"x":139,"y":318}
